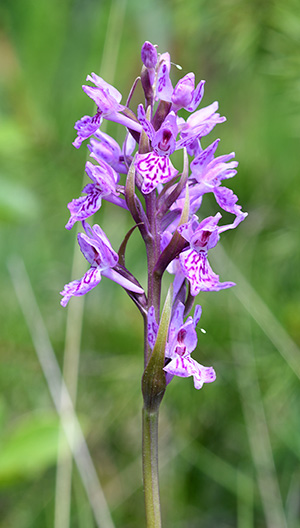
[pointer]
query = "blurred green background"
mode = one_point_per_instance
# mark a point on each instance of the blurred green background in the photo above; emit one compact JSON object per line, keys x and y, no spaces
{"x":229,"y":454}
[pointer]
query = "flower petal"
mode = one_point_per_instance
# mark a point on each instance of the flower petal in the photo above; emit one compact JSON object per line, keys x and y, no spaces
{"x":197,"y":270}
{"x":164,"y":88}
{"x":119,"y":279}
{"x":197,"y":97}
{"x":147,"y":126}
{"x":86,"y":127}
{"x":79,"y":287}
{"x":98,"y":81}
{"x":185,"y":367}
{"x":155,"y":169}
{"x":96,"y":247}
{"x":197,"y":314}
{"x":85,"y":206}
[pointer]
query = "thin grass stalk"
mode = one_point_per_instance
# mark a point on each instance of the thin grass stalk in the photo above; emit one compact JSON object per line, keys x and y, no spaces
{"x":76,"y":310}
{"x":56,"y":385}
{"x":256,"y":423}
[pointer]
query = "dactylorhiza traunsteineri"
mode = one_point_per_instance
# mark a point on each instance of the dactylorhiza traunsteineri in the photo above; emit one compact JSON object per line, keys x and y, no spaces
{"x":164,"y":203}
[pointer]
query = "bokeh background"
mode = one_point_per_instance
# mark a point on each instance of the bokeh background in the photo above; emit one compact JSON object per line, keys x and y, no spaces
{"x":229,"y":454}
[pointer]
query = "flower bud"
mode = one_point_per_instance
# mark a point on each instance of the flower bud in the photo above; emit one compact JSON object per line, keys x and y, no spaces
{"x":149,"y":55}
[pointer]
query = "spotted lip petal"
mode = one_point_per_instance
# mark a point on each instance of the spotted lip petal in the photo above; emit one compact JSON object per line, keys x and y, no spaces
{"x":80,"y":287}
{"x":197,"y":270}
{"x":155,"y":169}
{"x":83,"y":207}
{"x":86,"y":127}
{"x":184,"y":367}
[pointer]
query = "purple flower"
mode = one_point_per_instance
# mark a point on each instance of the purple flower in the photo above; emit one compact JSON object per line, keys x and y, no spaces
{"x":209,"y":170}
{"x":107,"y":99}
{"x":199,"y":124}
{"x":185,"y":95}
{"x":194,"y":264}
{"x":97,"y":250}
{"x":105,"y":180}
{"x":163,"y":141}
{"x":182,"y":341}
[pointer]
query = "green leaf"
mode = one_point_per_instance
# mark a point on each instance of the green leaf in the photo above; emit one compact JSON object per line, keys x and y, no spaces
{"x":154,"y":379}
{"x":30,"y":447}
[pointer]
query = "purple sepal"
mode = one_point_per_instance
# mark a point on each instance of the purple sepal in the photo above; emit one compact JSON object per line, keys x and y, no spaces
{"x":201,"y":161}
{"x":197,"y":314}
{"x":103,"y":175}
{"x":147,"y":126}
{"x":96,"y":247}
{"x":106,"y":97}
{"x":226,"y":199}
{"x":100,"y":83}
{"x":164,"y":88}
{"x":197,"y":97}
{"x":155,"y":169}
{"x":211,"y":171}
{"x":103,"y":147}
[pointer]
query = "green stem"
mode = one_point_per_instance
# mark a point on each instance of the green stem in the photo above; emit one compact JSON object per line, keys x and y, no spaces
{"x":150,"y":468}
